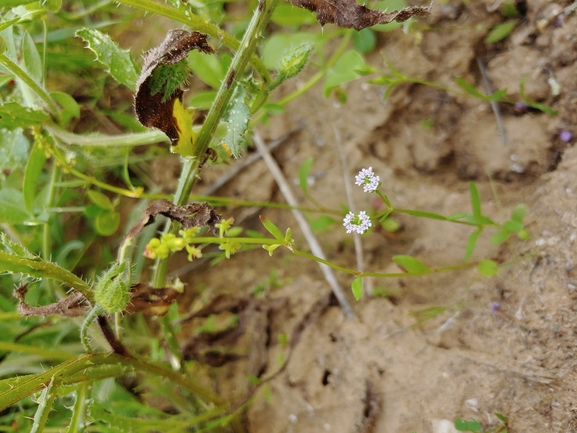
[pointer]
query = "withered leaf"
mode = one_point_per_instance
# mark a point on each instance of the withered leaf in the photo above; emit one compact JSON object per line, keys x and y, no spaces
{"x":189,"y":215}
{"x":155,"y":109}
{"x":72,"y":306}
{"x":350,"y":14}
{"x":150,"y":301}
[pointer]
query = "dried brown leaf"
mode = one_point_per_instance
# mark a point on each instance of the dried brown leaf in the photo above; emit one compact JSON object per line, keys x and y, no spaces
{"x":189,"y":215}
{"x":350,"y":14}
{"x":156,"y":111}
{"x":150,"y":301}
{"x":72,"y":306}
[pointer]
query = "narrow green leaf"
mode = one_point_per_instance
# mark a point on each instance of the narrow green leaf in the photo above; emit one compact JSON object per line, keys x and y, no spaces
{"x":271,"y":228}
{"x":475,"y":202}
{"x":513,"y":226}
{"x":31,"y":58}
{"x":45,"y":402}
{"x":499,"y":237}
{"x":100,"y":200}
{"x":237,"y":122}
{"x":304,"y":171}
{"x":488,"y":268}
{"x":32,"y":174}
{"x":411,"y":265}
{"x":12,"y":208}
{"x":457,"y":216}
{"x":498,"y":95}
{"x":500,"y":31}
{"x":343,"y":71}
{"x":518,"y":213}
{"x":423,"y":214}
{"x":472,"y":242}
{"x":357,"y":287}
{"x":501,"y":417}
{"x":13,"y":115}
{"x":207,"y":67}
{"x":71,"y":109}
{"x":118,"y":62}
{"x":469,"y":88}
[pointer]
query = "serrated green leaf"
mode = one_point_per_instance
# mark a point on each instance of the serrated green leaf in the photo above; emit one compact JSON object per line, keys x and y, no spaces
{"x":304,"y":171}
{"x":472,"y":242}
{"x":475,"y":202}
{"x":100,"y":200}
{"x":411,"y":265}
{"x":118,"y":62}
{"x":272,"y":228}
{"x":488,"y":268}
{"x":13,"y":115}
{"x":500,"y":31}
{"x":31,"y":58}
{"x":237,"y":122}
{"x":12,"y":208}
{"x":343,"y":71}
{"x":357,"y":288}
{"x":32,"y":174}
{"x":279,"y":43}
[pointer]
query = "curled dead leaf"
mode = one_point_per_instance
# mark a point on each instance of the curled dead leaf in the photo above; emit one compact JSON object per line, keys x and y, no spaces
{"x":72,"y":306}
{"x":189,"y":215}
{"x":150,"y":301}
{"x":154,"y":102}
{"x":350,"y":14}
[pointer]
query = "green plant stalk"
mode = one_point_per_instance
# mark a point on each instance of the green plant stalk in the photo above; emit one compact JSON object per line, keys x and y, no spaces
{"x":192,"y":165}
{"x":101,"y":140}
{"x":44,"y":269}
{"x":79,"y":409}
{"x":308,"y":85}
{"x":45,"y":402}
{"x":35,"y":350}
{"x":36,"y":88}
{"x":200,"y":25}
{"x":96,"y":310}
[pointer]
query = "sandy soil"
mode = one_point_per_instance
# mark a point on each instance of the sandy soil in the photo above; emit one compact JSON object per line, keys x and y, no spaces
{"x":504,"y":344}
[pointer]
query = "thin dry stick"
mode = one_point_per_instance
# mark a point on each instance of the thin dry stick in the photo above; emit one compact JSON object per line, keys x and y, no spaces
{"x":494,"y":104}
{"x":244,"y":163}
{"x":303,"y":224}
{"x":349,"y":193}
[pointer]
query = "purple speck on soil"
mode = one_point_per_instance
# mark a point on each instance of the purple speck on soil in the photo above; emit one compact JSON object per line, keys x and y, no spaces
{"x":566,"y":136}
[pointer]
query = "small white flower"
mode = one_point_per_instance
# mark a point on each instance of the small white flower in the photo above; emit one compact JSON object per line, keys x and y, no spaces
{"x":357,"y":223}
{"x":368,"y":180}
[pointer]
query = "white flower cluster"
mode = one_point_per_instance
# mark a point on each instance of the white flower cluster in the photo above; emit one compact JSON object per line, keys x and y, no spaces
{"x":357,"y":223}
{"x":368,"y":180}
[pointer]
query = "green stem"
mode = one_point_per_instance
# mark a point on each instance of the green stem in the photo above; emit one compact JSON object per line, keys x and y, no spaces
{"x":200,"y":25}
{"x":36,"y":88}
{"x":101,"y":140}
{"x":86,"y":324}
{"x":310,"y":83}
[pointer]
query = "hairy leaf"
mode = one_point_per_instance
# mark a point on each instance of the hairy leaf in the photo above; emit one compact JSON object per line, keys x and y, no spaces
{"x":236,"y":122}
{"x":118,"y":62}
{"x":13,"y":115}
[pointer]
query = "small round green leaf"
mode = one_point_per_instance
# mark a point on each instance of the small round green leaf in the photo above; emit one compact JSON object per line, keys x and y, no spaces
{"x":488,"y":267}
{"x":357,"y":287}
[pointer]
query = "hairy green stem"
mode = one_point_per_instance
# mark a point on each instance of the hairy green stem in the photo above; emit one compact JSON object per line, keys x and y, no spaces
{"x":33,"y":85}
{"x":101,"y":140}
{"x":200,"y":25}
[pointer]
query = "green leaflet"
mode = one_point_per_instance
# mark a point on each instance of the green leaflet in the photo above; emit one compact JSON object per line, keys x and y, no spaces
{"x":118,"y":62}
